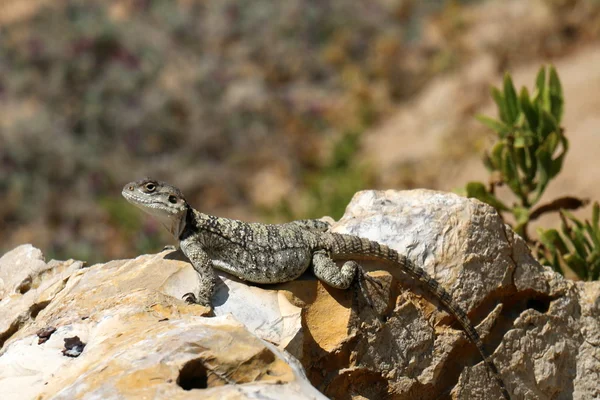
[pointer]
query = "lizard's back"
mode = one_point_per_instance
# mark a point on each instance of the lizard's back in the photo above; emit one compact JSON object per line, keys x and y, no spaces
{"x":259,"y":253}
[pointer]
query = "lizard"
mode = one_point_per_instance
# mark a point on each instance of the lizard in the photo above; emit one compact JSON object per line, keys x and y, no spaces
{"x":277,"y":253}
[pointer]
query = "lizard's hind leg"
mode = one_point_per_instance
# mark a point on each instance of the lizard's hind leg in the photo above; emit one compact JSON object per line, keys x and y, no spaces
{"x":327,"y":271}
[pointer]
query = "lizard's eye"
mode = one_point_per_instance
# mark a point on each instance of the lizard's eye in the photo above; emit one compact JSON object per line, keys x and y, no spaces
{"x":172,"y":199}
{"x":150,"y":187}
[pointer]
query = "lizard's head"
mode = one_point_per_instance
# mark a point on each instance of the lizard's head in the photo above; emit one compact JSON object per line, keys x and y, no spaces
{"x":164,"y":202}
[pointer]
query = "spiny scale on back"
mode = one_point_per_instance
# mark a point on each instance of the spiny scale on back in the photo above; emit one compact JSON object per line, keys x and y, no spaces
{"x":264,"y":253}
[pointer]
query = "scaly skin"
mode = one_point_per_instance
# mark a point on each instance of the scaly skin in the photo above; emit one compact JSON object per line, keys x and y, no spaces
{"x":264,"y":253}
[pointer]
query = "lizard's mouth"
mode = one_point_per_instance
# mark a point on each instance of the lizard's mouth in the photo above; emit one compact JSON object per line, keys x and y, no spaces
{"x":132,"y":198}
{"x":172,"y":218}
{"x":147,"y":204}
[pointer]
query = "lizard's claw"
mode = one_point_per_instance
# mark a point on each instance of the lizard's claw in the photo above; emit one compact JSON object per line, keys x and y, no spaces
{"x":362,"y":278}
{"x":372,"y":280}
{"x":189,"y":298}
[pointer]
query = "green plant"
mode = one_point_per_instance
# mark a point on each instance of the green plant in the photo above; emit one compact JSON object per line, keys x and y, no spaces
{"x":529,"y":152}
{"x":576,"y":247}
{"x":530,"y":149}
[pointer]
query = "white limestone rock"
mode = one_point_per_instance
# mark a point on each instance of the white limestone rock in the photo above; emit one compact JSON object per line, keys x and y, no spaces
{"x":142,"y":340}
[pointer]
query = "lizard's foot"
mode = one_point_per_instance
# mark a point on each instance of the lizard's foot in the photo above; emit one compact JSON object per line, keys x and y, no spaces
{"x":363,"y":277}
{"x":190,"y":298}
{"x":368,"y":278}
{"x":351,"y":273}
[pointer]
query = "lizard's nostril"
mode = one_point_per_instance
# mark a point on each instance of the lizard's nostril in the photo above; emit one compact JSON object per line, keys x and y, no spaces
{"x":131,"y":188}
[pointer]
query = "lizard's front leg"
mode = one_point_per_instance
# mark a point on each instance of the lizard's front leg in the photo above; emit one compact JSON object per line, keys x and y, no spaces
{"x":203,"y":265}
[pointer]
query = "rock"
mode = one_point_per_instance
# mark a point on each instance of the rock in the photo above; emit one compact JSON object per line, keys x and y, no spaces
{"x":132,"y":336}
{"x":544,"y":338}
{"x":27,"y":285}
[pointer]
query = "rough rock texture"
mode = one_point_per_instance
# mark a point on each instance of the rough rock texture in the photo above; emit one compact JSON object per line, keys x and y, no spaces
{"x":134,"y":337}
{"x":139,"y":339}
{"x":27,"y":284}
{"x":542,"y":329}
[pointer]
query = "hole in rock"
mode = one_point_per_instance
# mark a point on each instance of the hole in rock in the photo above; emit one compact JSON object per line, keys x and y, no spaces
{"x":193,"y":375}
{"x":12,"y":329}
{"x":540,"y":304}
{"x":24,"y":286}
{"x":35,"y":308}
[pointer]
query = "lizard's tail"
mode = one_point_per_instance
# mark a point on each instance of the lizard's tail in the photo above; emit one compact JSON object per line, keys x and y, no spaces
{"x":353,"y":247}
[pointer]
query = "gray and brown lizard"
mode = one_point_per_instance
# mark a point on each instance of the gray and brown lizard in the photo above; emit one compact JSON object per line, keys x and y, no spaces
{"x":263,"y":253}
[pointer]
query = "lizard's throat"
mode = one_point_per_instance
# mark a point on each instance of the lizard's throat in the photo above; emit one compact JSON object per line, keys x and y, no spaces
{"x":175,"y":223}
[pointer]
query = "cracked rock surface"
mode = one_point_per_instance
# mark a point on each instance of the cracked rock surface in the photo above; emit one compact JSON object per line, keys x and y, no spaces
{"x":120,"y":331}
{"x":542,"y":330}
{"x":136,"y":337}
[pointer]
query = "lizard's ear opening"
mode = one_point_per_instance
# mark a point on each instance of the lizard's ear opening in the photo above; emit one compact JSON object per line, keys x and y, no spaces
{"x":173,"y":199}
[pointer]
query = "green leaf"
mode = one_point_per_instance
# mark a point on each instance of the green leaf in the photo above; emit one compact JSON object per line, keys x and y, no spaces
{"x":544,"y":163}
{"x":552,"y":246}
{"x":551,"y":142}
{"x":552,"y":240}
{"x":543,"y":99}
{"x":594,"y":264}
{"x":531,"y":114}
{"x":578,"y":265}
{"x":521,"y":215}
{"x":593,"y":235}
{"x":578,"y":241}
{"x":547,"y":125}
{"x":519,"y":154}
{"x":573,"y":219}
{"x":556,"y":95}
{"x":510,"y":97}
{"x":497,"y":126}
{"x":521,"y":142}
{"x":478,"y":191}
{"x":531,"y":165}
{"x":557,"y":163}
{"x":594,"y":268}
{"x":487,"y":162}
{"x":496,"y":155}
{"x":540,"y":87}
{"x":501,"y":104}
{"x":509,"y":170}
{"x":596,"y":217}
{"x":556,"y":263}
{"x":522,"y":154}
{"x":583,"y":241}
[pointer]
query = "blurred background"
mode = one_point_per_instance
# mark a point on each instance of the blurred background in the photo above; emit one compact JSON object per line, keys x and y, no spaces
{"x":264,"y":110}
